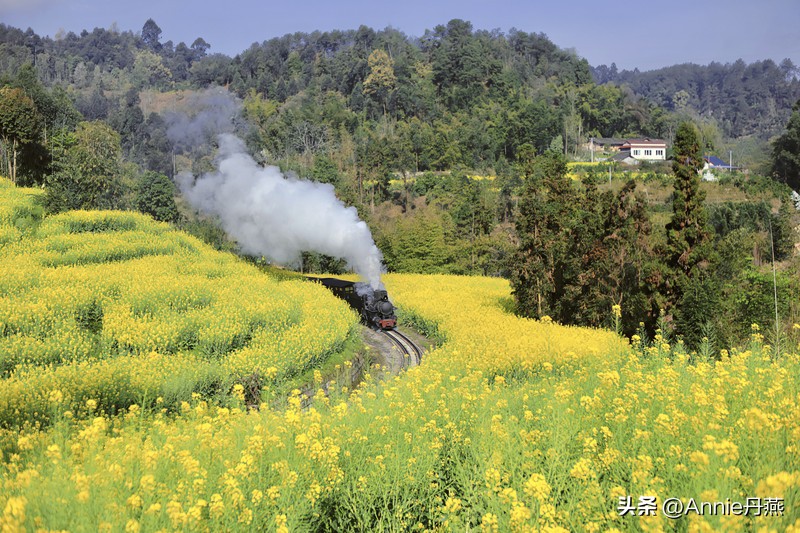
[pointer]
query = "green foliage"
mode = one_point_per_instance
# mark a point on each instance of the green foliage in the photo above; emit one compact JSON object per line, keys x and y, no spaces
{"x":88,"y":174}
{"x":462,"y":64}
{"x":453,"y":231}
{"x":782,"y":231}
{"x":786,"y":151}
{"x":730,"y":216}
{"x":316,"y":263}
{"x":425,"y":183}
{"x":688,"y":236}
{"x":155,"y":196}
{"x":756,"y":218}
{"x":487,"y":255}
{"x":688,"y":253}
{"x":458,"y":98}
{"x":89,"y":316}
{"x":748,"y":298}
{"x":209,"y":232}
{"x":735,"y":251}
{"x":259,"y":111}
{"x":582,"y":252}
{"x":747,"y":99}
{"x":151,"y":34}
{"x":546,"y":219}
{"x":619,"y":263}
{"x":149,"y":71}
{"x":418,"y":244}
{"x":534,"y":123}
{"x":697,"y":310}
{"x":19,"y":126}
{"x":53,"y":106}
{"x":214,"y":69}
{"x":755,"y":185}
{"x":605,"y":109}
{"x":324,"y":171}
{"x":467,"y":202}
{"x":381,"y":79}
{"x":26,"y":217}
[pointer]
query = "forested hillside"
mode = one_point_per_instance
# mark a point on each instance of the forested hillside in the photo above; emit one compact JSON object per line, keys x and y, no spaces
{"x":742,"y":99}
{"x":454,"y":97}
{"x":445,"y":145}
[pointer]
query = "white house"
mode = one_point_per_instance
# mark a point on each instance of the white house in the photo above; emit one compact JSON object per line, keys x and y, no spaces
{"x":645,"y":149}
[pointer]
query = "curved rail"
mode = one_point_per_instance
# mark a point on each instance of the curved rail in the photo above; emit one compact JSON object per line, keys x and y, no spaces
{"x":406,"y":345}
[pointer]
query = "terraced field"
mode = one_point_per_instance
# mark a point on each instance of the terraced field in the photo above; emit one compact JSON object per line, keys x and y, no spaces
{"x":118,"y":308}
{"x":510,"y":425}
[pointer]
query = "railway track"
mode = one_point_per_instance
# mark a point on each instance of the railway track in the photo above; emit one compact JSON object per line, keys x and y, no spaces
{"x":406,"y":346}
{"x":409,"y":355}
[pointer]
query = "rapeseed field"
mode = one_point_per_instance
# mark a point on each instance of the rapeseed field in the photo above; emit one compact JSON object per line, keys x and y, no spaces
{"x":120,"y":309}
{"x":508,"y":425}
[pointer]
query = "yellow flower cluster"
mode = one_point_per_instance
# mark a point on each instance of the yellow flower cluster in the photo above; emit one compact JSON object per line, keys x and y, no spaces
{"x":509,"y":425}
{"x":470,"y":313}
{"x":116,"y":307}
{"x":15,"y":203}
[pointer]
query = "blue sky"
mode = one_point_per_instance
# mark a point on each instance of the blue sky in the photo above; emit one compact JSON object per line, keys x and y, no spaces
{"x":646,"y":35}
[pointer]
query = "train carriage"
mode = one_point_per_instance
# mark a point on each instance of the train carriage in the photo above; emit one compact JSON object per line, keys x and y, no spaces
{"x":372,"y":304}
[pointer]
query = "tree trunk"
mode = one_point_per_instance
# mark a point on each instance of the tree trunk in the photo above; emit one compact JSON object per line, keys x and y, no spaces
{"x":405,"y":188}
{"x":6,"y":157}
{"x":538,"y":299}
{"x":14,"y":163}
{"x":360,"y":186}
{"x":472,"y":245}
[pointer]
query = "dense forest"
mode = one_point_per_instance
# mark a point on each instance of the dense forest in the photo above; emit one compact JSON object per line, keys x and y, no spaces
{"x":742,"y":99}
{"x":455,"y":97}
{"x":452,"y":146}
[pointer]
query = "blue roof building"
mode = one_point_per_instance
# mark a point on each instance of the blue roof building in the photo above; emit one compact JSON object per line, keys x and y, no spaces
{"x":714,"y":162}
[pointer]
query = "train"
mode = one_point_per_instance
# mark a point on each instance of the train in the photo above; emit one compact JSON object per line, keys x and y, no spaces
{"x":373,"y":305}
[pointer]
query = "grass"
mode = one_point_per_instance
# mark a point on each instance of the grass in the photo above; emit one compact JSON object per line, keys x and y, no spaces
{"x":659,"y":193}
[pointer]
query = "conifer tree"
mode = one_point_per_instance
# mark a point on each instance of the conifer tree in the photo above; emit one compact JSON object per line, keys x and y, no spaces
{"x":547,"y":218}
{"x":786,"y":151}
{"x":619,"y":264}
{"x":689,"y":253}
{"x":688,"y":235}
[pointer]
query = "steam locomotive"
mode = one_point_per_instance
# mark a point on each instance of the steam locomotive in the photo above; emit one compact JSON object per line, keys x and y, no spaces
{"x":372,"y":304}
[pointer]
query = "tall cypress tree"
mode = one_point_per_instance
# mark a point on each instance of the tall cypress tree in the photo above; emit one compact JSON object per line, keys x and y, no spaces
{"x":689,"y":253}
{"x":543,"y":267}
{"x":688,"y":234}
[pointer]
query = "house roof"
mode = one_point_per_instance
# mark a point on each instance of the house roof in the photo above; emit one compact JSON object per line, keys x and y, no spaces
{"x":608,"y":141}
{"x":645,"y":142}
{"x":622,"y":157}
{"x":716,"y":162}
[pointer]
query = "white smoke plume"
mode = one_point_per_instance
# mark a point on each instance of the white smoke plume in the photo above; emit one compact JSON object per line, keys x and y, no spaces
{"x":280,"y":217}
{"x":201,"y":118}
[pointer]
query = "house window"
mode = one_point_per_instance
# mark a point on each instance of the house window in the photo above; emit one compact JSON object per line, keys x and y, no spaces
{"x":636,"y":152}
{"x":648,"y":152}
{"x":659,"y":152}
